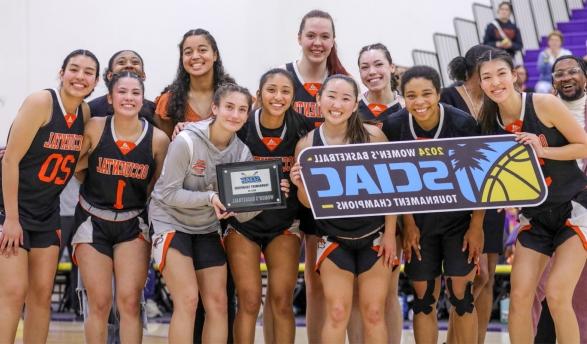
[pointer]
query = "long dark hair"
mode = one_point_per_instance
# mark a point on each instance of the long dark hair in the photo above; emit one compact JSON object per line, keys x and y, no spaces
{"x":382,"y":48}
{"x":333,"y":64}
{"x":292,"y":119}
{"x":462,"y":67}
{"x":488,"y":115}
{"x":356,"y":132}
{"x":181,"y":85}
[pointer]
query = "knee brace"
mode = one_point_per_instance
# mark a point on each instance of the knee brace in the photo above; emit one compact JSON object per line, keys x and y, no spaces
{"x":464,"y":305}
{"x":425,"y":303}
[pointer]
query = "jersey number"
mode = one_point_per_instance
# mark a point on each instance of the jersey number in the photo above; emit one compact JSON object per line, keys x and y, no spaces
{"x":60,"y":165}
{"x":119,"y":191}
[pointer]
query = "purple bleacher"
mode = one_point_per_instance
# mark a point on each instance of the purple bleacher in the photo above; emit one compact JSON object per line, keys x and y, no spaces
{"x":575,"y":33}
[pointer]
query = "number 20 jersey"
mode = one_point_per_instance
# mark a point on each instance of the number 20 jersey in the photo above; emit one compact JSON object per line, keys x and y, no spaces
{"x":47,"y":166}
{"x":119,"y":172}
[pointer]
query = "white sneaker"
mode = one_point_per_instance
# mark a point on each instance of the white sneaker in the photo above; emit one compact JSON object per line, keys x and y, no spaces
{"x":152,"y":309}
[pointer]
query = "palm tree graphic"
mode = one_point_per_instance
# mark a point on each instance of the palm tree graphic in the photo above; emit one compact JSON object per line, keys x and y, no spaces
{"x":468,"y":157}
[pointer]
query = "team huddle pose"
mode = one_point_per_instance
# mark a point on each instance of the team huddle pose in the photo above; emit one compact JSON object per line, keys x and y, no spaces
{"x":149,"y":191}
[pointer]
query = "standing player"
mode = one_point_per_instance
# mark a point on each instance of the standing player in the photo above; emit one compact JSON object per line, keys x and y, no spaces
{"x":436,"y":243}
{"x":468,"y":97}
{"x":43,"y":148}
{"x":199,"y":74}
{"x":123,"y":60}
{"x":316,"y":37}
{"x":271,"y":132}
{"x":378,"y":75}
{"x":122,"y":158}
{"x":558,"y":224}
{"x":381,"y":100}
{"x":358,"y":248}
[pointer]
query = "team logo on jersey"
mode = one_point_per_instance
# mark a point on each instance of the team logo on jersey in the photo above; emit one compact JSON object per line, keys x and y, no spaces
{"x":70,"y":119}
{"x":422,"y":176}
{"x":125,"y":146}
{"x":312,"y":88}
{"x":514,"y":127}
{"x":271,"y":142}
{"x":199,"y":168}
{"x":377,"y":109}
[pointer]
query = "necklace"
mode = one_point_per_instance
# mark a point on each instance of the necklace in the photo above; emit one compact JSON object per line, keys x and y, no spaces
{"x":475,"y":108}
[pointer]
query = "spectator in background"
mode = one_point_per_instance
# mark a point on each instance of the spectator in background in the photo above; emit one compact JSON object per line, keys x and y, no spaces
{"x":546,"y":61}
{"x":502,"y":33}
{"x":522,"y":79}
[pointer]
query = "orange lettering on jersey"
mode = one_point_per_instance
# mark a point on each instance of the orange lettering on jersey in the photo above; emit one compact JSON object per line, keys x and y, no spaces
{"x":125,"y":146}
{"x":377,"y":109}
{"x":312,"y":88}
{"x":287,"y":161}
{"x":515,"y":126}
{"x":271,"y":142}
{"x":126,"y":169}
{"x":70,"y":119}
{"x":63,"y":141}
{"x":308,"y":109}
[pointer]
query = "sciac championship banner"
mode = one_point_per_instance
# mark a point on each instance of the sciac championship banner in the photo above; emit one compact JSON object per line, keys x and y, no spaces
{"x":421,"y":176}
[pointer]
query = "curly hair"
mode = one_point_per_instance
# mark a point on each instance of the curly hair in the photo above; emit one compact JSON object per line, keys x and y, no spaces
{"x":181,"y":85}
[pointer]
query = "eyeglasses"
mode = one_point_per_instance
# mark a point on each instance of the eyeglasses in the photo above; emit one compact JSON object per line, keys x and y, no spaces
{"x":559,"y":74}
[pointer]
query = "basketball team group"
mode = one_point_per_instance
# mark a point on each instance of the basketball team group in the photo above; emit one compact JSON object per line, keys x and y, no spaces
{"x":149,"y":196}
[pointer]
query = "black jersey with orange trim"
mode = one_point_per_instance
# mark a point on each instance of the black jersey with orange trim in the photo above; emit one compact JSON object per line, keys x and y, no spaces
{"x":564,"y":178}
{"x":119,"y":172}
{"x":305,"y":96}
{"x":452,"y":123}
{"x":350,"y":227}
{"x":274,"y":144}
{"x":47,"y":166}
{"x":377,"y":113}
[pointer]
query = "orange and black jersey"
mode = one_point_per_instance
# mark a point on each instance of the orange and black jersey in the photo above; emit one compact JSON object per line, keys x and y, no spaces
{"x":377,"y":112}
{"x":47,"y":166}
{"x":305,"y":96}
{"x":564,"y":178}
{"x":401,"y":126}
{"x":350,"y":227}
{"x":119,"y":172}
{"x":274,"y":144}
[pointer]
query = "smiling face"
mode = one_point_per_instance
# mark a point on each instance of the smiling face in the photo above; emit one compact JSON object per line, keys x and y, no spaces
{"x":277,"y":95}
{"x":126,"y":97}
{"x":127,"y":61}
{"x":497,"y":80}
{"x":569,"y":79}
{"x":316,"y":39}
{"x":231,"y":112}
{"x":338,"y":101}
{"x":375,"y":70}
{"x":79,"y":77}
{"x":422,"y":99}
{"x":198,"y":57}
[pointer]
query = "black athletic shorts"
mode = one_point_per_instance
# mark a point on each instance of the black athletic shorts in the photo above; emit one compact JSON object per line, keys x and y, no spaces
{"x":307,"y":222}
{"x":263,"y":240}
{"x":205,"y":250}
{"x":549,"y":229}
{"x":441,"y":251}
{"x":493,"y":227}
{"x":37,"y":239}
{"x":103,"y":234}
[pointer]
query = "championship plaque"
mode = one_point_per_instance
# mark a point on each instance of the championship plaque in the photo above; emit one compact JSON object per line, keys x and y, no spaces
{"x":251,"y":185}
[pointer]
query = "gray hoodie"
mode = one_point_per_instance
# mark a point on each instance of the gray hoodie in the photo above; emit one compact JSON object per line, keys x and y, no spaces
{"x":181,"y":197}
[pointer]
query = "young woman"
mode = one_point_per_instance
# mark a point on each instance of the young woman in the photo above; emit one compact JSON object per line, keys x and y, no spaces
{"x":43,"y":148}
{"x":199,"y":74}
{"x":316,"y":37}
{"x":449,"y":241}
{"x":123,"y":60}
{"x":381,"y":100}
{"x":122,"y":157}
{"x":558,"y":224}
{"x":185,"y":211}
{"x":378,"y":75}
{"x":271,"y":132}
{"x":468,"y":97}
{"x":361,"y":248}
